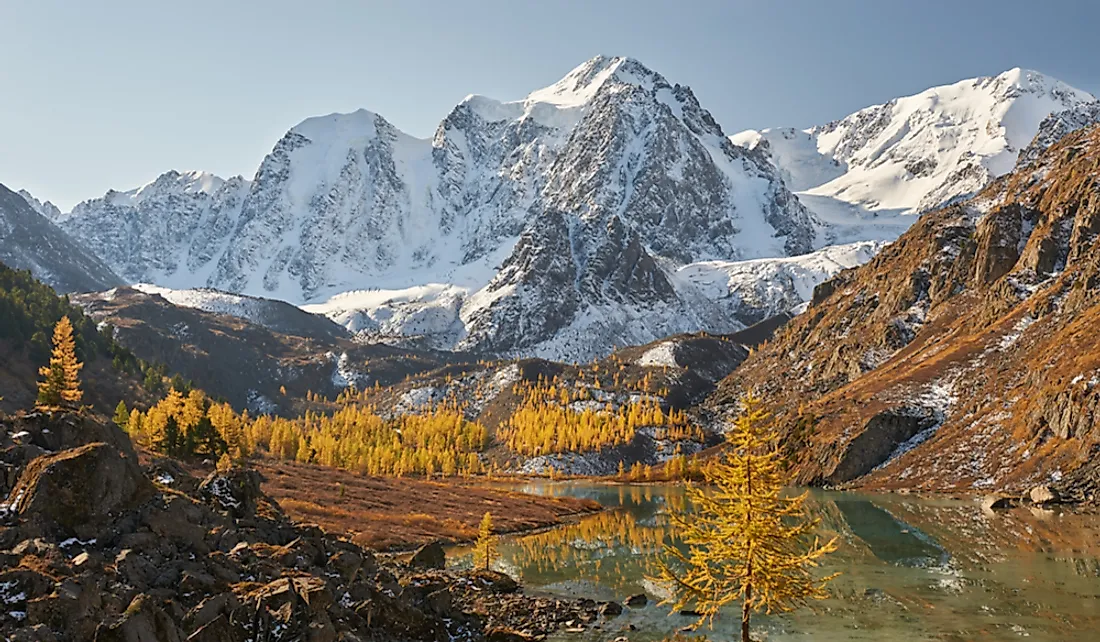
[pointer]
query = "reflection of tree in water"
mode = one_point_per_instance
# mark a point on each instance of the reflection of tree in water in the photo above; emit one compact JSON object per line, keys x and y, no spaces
{"x":611,"y":548}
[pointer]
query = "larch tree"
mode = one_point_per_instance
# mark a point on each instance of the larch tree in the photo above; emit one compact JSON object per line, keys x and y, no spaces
{"x":485,"y":550}
{"x":746,"y":539}
{"x":61,"y":383}
{"x":122,"y":415}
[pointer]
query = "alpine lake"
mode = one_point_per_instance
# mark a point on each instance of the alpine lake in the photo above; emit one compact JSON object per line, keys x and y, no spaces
{"x":913,"y":568}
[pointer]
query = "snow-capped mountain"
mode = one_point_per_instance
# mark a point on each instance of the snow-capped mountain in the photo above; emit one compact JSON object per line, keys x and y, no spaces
{"x":168,"y":231}
{"x":606,"y":209}
{"x":878,"y":167}
{"x":567,"y":211}
{"x":29,"y":241}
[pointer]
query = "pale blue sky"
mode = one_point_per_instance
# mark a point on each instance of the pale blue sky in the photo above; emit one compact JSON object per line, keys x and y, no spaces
{"x":110,"y":93}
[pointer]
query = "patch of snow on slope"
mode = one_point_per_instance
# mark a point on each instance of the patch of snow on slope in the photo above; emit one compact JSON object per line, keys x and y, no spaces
{"x":1014,"y":335}
{"x":203,"y":299}
{"x":660,"y":355}
{"x":418,"y":400}
{"x":426,"y":310}
{"x":343,"y":375}
{"x":752,"y":290}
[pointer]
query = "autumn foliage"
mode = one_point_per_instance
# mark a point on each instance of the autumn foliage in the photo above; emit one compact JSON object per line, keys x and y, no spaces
{"x":746,"y":539}
{"x":556,"y":417}
{"x":485,"y":549}
{"x":61,"y":383}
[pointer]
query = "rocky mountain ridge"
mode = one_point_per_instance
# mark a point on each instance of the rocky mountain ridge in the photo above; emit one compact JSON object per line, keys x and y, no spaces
{"x":962,"y":356}
{"x":583,"y":197}
{"x":873,"y":171}
{"x":29,"y":241}
{"x":268,"y":364}
{"x":599,"y":211}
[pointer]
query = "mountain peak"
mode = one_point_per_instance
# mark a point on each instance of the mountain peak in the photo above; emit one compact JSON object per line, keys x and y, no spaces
{"x":358,"y":124}
{"x":581,"y":84}
{"x":188,"y":182}
{"x":45,"y":208}
{"x":1037,"y":82}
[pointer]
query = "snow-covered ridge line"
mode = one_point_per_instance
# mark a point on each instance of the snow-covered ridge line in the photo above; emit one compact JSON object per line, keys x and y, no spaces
{"x":912,"y":154}
{"x":601,"y":210}
{"x":514,"y":223}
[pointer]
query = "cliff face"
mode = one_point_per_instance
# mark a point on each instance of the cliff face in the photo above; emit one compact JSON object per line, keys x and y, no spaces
{"x":964,"y":355}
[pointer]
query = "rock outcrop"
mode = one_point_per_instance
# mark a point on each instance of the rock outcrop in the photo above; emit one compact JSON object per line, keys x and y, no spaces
{"x":79,"y":489}
{"x":90,"y":549}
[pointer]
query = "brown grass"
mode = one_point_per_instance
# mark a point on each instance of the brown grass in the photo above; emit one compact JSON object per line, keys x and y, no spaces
{"x":394,"y":514}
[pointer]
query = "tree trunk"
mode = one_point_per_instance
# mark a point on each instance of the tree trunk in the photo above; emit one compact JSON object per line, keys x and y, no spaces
{"x":745,"y":615}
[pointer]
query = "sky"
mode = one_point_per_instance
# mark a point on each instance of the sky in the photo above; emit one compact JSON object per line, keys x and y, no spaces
{"x":110,"y":94}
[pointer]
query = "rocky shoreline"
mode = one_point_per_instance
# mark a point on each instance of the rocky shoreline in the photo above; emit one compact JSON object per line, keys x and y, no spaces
{"x":93,"y":547}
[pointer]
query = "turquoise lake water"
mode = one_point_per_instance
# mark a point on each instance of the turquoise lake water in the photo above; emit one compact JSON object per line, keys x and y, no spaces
{"x":913,"y":568}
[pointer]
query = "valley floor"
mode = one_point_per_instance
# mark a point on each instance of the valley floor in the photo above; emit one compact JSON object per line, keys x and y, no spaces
{"x":392,"y":514}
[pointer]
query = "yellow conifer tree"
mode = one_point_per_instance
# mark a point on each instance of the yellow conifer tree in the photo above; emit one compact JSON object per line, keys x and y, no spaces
{"x":61,"y":383}
{"x":746,"y":540}
{"x":485,"y":550}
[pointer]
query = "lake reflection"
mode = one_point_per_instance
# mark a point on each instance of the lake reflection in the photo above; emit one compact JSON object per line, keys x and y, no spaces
{"x":913,"y":568}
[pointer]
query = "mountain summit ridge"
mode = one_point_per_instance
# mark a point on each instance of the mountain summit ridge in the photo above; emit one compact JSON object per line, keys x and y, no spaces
{"x":562,"y":223}
{"x":914,"y":153}
{"x":633,"y":176}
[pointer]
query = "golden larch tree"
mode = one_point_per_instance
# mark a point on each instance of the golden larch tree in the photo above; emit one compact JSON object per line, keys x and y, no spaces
{"x":746,"y":539}
{"x":485,"y":550}
{"x":61,"y":383}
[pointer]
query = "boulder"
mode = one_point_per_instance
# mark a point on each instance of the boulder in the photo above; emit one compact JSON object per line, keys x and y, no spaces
{"x":61,"y":430}
{"x":81,"y":487}
{"x":172,"y":520}
{"x":236,"y":491}
{"x":636,"y":601}
{"x":1043,"y":494}
{"x":143,"y":621}
{"x":210,"y":609}
{"x":495,"y":582}
{"x":999,"y":502}
{"x":135,"y":570}
{"x":346,"y":564}
{"x":429,"y":556}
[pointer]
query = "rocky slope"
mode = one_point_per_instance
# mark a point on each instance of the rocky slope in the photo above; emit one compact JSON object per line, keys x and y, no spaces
{"x":30,"y":241}
{"x":557,"y":220}
{"x":250,"y":364}
{"x":96,"y":548}
{"x":167,"y":231}
{"x":962,"y":356}
{"x":871,"y":171}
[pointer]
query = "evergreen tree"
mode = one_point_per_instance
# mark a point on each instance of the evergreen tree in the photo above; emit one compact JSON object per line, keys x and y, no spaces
{"x":485,"y":550}
{"x":122,"y":415}
{"x":745,"y":540}
{"x":172,"y":441}
{"x":61,"y":383}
